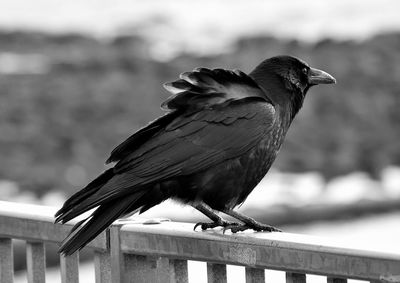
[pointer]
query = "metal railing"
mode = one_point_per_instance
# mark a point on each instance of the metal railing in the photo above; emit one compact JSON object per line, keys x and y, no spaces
{"x":159,"y":253}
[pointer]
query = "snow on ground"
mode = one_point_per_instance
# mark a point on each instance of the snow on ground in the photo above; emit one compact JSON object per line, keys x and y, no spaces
{"x":376,"y":232}
{"x":277,"y":188}
{"x":352,"y":187}
{"x":286,"y":188}
{"x":390,"y":178}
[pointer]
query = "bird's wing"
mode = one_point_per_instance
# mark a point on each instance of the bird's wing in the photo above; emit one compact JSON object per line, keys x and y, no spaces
{"x":193,"y":143}
{"x":194,"y":91}
{"x":141,"y":136}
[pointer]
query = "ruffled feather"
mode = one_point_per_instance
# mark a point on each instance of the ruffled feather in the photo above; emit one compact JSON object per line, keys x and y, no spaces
{"x":205,"y":87}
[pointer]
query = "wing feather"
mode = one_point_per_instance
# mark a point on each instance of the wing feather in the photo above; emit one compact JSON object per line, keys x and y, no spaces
{"x":195,"y":91}
{"x":204,"y":87}
{"x":194,"y":146}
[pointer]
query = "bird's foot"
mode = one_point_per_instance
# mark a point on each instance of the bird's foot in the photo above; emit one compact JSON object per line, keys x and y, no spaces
{"x":210,"y":225}
{"x":255,"y":226}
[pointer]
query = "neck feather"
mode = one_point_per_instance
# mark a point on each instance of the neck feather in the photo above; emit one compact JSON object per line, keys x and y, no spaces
{"x":289,"y":99}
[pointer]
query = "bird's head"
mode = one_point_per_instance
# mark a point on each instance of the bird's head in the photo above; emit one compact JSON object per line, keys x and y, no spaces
{"x":287,"y":79}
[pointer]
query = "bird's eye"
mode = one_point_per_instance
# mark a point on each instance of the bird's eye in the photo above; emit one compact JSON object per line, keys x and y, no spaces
{"x":305,"y":71}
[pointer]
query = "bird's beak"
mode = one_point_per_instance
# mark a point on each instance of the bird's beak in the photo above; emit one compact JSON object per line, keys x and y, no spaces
{"x":316,"y":77}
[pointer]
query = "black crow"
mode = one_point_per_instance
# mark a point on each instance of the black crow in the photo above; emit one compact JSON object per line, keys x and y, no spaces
{"x":220,"y":136}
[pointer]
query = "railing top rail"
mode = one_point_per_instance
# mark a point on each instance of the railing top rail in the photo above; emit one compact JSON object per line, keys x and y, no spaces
{"x":36,"y":223}
{"x":281,"y":251}
{"x":27,"y":211}
{"x":182,"y":230}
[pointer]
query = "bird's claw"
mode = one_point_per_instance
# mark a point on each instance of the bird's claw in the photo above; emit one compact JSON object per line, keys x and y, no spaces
{"x":230,"y":227}
{"x":205,"y":226}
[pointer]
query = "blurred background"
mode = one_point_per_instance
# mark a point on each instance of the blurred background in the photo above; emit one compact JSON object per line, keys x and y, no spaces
{"x":78,"y":77}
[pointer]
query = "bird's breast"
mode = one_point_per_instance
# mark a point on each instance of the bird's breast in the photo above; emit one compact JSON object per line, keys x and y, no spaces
{"x":228,"y":184}
{"x":259,"y":160}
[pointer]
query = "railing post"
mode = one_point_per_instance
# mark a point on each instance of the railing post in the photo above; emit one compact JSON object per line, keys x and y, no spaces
{"x":6,"y":261}
{"x":216,"y":273}
{"x":126,"y":268}
{"x":102,"y":266}
{"x":145,"y":269}
{"x":255,"y":275}
{"x":117,"y":261}
{"x":335,"y":280}
{"x":69,"y":266}
{"x":36,"y":262}
{"x":179,"y":270}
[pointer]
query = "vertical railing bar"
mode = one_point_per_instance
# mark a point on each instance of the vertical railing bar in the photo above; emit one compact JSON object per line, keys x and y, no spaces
{"x":216,"y":273}
{"x":145,"y":269}
{"x":163,"y":270}
{"x":179,"y":271}
{"x":295,"y":277}
{"x":6,"y":261}
{"x":116,"y":256}
{"x":335,"y":280}
{"x":255,"y":275}
{"x":69,"y":266}
{"x":102,"y":266}
{"x":36,"y":262}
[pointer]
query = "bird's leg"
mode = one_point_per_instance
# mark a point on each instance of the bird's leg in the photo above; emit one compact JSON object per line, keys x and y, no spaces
{"x":249,"y":223}
{"x":217,"y":220}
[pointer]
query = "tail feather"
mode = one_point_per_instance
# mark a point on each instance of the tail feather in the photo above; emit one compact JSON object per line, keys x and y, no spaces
{"x":101,"y":218}
{"x":74,"y":205}
{"x":110,"y":205}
